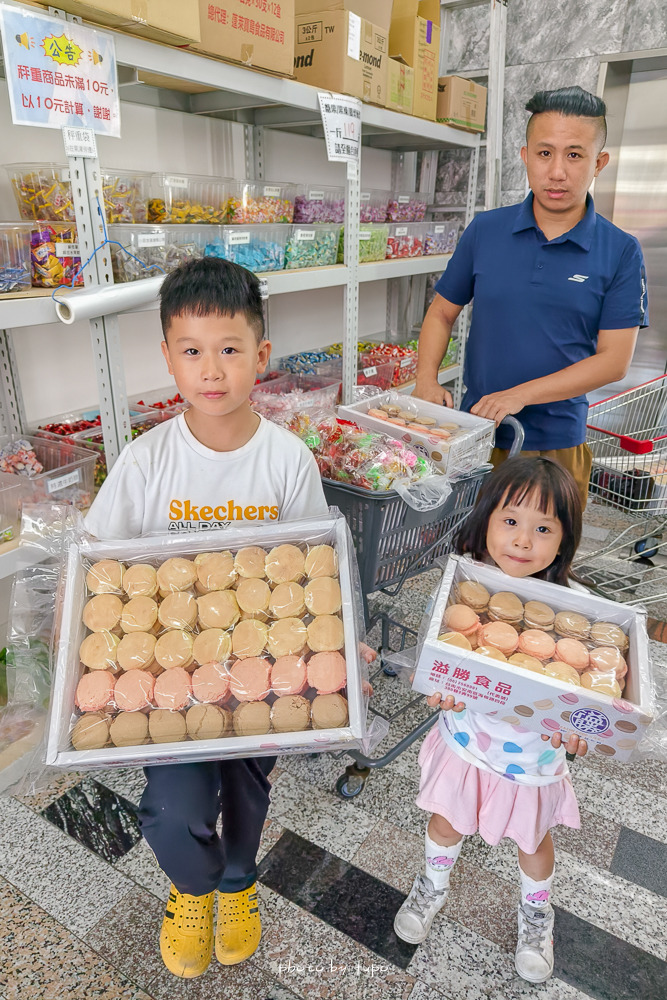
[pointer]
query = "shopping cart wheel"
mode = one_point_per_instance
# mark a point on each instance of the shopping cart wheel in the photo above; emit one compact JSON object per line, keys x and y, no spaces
{"x":647,"y":548}
{"x":351,"y":784}
{"x":389,"y":672}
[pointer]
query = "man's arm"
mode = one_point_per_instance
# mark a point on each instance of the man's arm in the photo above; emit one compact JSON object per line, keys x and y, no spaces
{"x":609,"y":363}
{"x":433,"y":341}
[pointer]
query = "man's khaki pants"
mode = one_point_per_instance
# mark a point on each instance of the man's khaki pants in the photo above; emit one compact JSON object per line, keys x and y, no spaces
{"x":577,"y":460}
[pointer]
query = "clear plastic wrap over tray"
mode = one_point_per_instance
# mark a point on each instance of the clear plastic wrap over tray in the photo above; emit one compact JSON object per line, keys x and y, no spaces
{"x":531,"y":670}
{"x":155,"y":550}
{"x":467,"y":447}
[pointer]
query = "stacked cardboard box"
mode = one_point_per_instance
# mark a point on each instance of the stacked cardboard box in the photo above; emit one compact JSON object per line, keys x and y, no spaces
{"x":340,"y":46}
{"x":175,"y":22}
{"x":414,"y":38}
{"x":461,"y":103}
{"x":259,"y":35}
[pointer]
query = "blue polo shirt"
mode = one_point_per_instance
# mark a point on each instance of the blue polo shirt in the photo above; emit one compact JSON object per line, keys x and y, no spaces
{"x":539,"y":305}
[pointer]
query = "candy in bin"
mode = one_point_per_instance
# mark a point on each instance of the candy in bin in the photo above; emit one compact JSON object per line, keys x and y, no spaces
{"x":19,"y":458}
{"x":125,"y":197}
{"x":54,"y":255}
{"x":407,"y":207}
{"x":43,"y":191}
{"x":14,"y":257}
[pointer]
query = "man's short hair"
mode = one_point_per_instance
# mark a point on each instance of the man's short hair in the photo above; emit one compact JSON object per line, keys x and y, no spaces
{"x":212,"y":287}
{"x":572,"y":101}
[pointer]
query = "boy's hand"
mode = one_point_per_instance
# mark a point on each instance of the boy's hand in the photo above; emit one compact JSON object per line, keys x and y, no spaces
{"x":446,"y":704}
{"x":367,"y":653}
{"x":575,"y":745}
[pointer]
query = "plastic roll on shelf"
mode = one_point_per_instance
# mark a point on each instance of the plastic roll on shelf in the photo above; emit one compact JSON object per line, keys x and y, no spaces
{"x":104,"y":300}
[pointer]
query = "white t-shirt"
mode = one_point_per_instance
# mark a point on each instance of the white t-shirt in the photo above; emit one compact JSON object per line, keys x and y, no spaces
{"x":167,"y":481}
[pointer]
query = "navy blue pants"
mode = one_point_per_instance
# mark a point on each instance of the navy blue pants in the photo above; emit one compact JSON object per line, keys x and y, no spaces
{"x":179,"y":811}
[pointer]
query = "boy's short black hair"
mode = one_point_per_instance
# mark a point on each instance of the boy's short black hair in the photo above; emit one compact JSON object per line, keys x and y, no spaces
{"x":574,"y":101}
{"x":211,"y":287}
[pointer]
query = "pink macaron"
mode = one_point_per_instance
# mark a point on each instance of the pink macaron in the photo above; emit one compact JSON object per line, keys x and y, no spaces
{"x":500,"y":635}
{"x":94,"y":691}
{"x":572,"y":652}
{"x":537,"y":643}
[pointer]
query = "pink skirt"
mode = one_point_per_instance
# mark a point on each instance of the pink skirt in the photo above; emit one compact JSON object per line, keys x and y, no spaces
{"x":474,"y":799}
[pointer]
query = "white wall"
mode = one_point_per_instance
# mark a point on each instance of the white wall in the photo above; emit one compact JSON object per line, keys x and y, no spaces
{"x":55,"y":362}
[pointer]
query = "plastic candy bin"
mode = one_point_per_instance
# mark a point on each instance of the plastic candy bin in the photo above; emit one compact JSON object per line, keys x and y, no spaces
{"x":54,"y":255}
{"x":374,"y":206}
{"x":167,"y":400}
{"x":281,"y":394}
{"x":67,"y":475}
{"x":311,"y":246}
{"x":14,"y":257}
{"x":406,"y":206}
{"x":125,"y":196}
{"x":43,"y":191}
{"x":187,"y":198}
{"x":158,"y":248}
{"x":259,"y":248}
{"x":406,"y":239}
{"x":440,"y":237}
{"x":372,"y":243}
{"x":262,"y":202}
{"x":320,"y":204}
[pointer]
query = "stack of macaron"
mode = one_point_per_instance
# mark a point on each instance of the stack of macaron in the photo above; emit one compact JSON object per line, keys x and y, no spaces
{"x":566,"y":645}
{"x":223,"y":644}
{"x":408,"y":416}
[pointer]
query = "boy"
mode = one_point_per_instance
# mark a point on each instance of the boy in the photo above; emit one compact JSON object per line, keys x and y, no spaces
{"x":218,"y":462}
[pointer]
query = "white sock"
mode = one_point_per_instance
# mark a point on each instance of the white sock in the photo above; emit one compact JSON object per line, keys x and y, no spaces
{"x":535,"y":894}
{"x":440,"y":860}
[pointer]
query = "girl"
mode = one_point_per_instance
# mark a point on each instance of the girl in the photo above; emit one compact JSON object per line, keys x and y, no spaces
{"x":528,"y":522}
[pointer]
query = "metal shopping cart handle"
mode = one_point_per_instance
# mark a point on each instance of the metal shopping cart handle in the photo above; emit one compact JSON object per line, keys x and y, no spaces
{"x":519,"y":434}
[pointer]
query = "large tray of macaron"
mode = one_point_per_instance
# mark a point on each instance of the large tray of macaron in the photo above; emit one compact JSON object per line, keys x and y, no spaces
{"x":231,"y":643}
{"x":539,"y":655}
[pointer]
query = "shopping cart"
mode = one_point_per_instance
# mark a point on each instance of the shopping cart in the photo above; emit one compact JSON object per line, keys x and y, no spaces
{"x":395,"y":542}
{"x":627,"y":434}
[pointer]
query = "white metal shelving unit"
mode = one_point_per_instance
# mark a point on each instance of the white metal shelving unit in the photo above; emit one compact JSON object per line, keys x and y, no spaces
{"x":256,"y":101}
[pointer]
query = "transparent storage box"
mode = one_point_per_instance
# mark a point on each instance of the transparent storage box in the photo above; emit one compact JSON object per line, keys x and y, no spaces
{"x":303,"y":363}
{"x":14,"y":257}
{"x":320,"y":204}
{"x":368,"y":372}
{"x":406,"y":206}
{"x":167,"y":400}
{"x":374,"y":206}
{"x":43,"y":191}
{"x":93,"y":439}
{"x":405,"y":239}
{"x":260,"y":202}
{"x":372,"y":243}
{"x":54,"y":255}
{"x":401,"y":356}
{"x":281,"y":394}
{"x":187,"y":198}
{"x":440,"y":237}
{"x":311,"y":246}
{"x":67,"y":475}
{"x":125,"y":196}
{"x":154,"y":248}
{"x":258,"y":248}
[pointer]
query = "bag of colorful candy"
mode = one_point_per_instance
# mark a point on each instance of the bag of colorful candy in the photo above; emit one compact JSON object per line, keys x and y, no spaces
{"x":348,"y":454}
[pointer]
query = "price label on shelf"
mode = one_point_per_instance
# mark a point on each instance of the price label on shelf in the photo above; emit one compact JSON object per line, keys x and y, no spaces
{"x":79,"y":142}
{"x":370,"y":371}
{"x":341,"y":118}
{"x":61,"y":482}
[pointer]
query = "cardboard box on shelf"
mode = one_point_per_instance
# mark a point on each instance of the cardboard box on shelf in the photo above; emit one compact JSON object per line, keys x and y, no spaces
{"x":259,"y":36}
{"x":377,"y":11}
{"x":400,"y":86}
{"x":414,"y":37}
{"x":614,"y":727}
{"x":461,"y":103}
{"x":175,"y":22}
{"x":338,"y":50}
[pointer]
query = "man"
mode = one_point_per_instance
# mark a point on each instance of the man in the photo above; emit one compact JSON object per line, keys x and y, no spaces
{"x":559,"y":292}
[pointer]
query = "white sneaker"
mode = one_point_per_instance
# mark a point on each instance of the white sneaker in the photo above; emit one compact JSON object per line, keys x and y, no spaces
{"x":413,"y":921}
{"x":534,"y":957}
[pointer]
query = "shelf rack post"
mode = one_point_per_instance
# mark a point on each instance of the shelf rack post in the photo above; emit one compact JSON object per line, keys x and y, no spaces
{"x":88,"y":197}
{"x":464,"y":318}
{"x":351,"y":331}
{"x":12,"y":412}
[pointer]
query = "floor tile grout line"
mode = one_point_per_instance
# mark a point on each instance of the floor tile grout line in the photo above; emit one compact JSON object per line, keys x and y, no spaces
{"x":72,"y":934}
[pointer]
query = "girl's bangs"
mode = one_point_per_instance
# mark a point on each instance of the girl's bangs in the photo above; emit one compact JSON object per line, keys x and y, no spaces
{"x":538,"y":492}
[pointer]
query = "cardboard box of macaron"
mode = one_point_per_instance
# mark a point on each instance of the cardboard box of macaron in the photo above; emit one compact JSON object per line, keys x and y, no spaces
{"x":220,"y":644}
{"x":541,"y":656}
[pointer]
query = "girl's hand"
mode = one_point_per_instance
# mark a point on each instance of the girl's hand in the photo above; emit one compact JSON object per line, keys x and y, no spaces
{"x":575,"y":745}
{"x":446,"y":704}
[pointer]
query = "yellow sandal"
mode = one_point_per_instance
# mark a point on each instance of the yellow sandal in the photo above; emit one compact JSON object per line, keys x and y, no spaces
{"x":239,"y":929}
{"x":186,"y":936}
